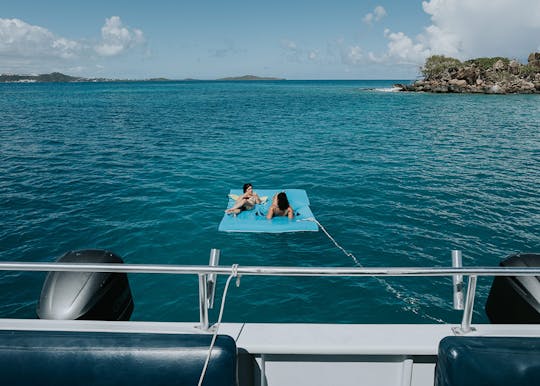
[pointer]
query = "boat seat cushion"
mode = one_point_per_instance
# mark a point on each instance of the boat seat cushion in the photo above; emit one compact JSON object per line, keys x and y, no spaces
{"x":493,"y":361}
{"x":98,"y":358}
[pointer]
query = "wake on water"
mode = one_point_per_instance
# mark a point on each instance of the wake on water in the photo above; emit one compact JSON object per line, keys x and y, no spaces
{"x":390,"y":89}
{"x":411,"y":302}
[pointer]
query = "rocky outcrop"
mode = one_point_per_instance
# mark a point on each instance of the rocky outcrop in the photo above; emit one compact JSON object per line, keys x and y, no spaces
{"x":534,"y":59}
{"x":483,"y":75}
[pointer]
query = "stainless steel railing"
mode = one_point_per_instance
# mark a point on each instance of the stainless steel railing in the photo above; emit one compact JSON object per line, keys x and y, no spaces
{"x":208,"y":276}
{"x":268,"y":270}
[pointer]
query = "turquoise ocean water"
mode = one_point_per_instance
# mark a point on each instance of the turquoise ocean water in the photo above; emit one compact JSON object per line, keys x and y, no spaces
{"x":143,"y":169}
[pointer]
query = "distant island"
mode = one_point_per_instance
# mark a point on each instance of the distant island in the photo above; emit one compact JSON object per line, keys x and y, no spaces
{"x":57,"y":77}
{"x":53,"y":77}
{"x":496,"y":75}
{"x":250,"y":77}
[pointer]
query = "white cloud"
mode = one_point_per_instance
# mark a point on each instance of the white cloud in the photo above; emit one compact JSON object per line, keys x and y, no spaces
{"x":26,"y":48}
{"x":292,"y":52}
{"x":374,"y":58}
{"x":484,"y":27}
{"x":378,"y":13}
{"x":116,"y":38}
{"x":297,"y":54}
{"x":404,"y":49}
{"x":467,"y":29}
{"x":313,"y":55}
{"x":289,"y":44}
{"x":368,"y":19}
{"x":353,"y":56}
{"x":22,"y":40}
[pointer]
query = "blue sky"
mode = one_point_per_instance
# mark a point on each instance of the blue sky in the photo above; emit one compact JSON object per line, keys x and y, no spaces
{"x":289,"y":39}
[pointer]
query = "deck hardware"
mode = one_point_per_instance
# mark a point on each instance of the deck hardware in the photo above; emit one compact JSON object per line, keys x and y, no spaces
{"x":457,"y":281}
{"x":212,"y":277}
{"x":468,"y":311}
{"x":203,"y":301}
{"x":406,"y":372}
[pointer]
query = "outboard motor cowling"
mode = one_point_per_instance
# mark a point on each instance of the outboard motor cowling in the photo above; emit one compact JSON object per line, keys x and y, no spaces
{"x":86,"y":295}
{"x":513,"y":299}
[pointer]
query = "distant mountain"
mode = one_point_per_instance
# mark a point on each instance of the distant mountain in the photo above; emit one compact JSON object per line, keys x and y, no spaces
{"x":157,"y":80}
{"x":54,"y":77}
{"x":250,"y":77}
{"x":57,"y":77}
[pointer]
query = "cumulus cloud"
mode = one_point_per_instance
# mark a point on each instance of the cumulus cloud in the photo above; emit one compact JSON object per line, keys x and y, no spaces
{"x":20,"y":39}
{"x":297,"y":54}
{"x":462,"y":29}
{"x":403,"y":48}
{"x":313,"y":55}
{"x":26,"y":48}
{"x":378,"y":13}
{"x":466,"y":29}
{"x":483,"y":27}
{"x":292,"y":52}
{"x":116,"y":38}
{"x":353,"y":55}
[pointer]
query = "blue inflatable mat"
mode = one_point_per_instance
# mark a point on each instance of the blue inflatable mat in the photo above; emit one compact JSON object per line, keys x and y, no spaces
{"x":255,"y":220}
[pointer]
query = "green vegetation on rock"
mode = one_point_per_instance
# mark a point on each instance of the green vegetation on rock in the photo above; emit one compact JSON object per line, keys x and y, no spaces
{"x":436,"y":65}
{"x":486,"y":63}
{"x":495,"y":75}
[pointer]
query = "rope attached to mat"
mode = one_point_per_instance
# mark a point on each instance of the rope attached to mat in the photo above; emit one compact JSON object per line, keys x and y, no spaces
{"x":408,"y":300}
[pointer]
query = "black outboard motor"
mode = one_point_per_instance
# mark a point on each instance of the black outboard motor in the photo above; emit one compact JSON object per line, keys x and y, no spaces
{"x":515,"y":300}
{"x":86,"y":295}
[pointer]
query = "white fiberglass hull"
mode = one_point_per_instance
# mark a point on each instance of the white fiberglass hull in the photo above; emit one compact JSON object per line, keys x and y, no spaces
{"x":312,"y":354}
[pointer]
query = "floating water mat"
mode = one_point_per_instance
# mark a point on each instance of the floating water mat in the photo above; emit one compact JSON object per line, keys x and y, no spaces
{"x":255,"y":220}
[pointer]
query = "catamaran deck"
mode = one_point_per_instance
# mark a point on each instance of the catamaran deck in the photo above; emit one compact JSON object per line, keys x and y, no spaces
{"x":304,"y":354}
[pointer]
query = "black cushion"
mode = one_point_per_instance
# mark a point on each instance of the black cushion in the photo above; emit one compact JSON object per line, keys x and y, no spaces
{"x":489,"y":361}
{"x":88,"y":358}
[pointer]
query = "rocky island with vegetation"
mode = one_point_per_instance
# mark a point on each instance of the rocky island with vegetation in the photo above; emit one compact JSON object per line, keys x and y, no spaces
{"x":483,"y":75}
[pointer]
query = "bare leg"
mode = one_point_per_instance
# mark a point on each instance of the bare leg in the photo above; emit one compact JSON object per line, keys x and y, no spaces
{"x":237,"y":205}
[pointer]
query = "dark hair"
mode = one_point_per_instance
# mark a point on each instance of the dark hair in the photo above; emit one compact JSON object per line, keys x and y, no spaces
{"x":246,"y":186}
{"x":282,"y":201}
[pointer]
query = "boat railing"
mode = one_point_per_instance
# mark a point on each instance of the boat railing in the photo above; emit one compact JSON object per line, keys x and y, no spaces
{"x":208,"y":276}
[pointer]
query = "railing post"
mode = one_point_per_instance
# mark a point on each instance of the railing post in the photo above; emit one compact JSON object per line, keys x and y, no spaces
{"x":203,"y":302}
{"x":468,"y":311}
{"x":457,"y":280}
{"x":406,"y":372}
{"x":212,"y":277}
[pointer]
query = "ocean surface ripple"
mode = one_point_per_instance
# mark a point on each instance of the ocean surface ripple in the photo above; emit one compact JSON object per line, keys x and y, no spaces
{"x":143,"y":170}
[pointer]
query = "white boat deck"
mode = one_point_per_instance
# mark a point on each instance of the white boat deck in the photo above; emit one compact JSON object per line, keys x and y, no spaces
{"x":312,"y":354}
{"x":297,"y":338}
{"x":306,"y":354}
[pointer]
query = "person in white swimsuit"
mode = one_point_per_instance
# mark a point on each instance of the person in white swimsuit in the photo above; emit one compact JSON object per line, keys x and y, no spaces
{"x":246,"y":201}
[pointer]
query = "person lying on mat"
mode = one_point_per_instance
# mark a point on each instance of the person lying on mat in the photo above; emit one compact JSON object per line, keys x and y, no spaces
{"x":246,"y":201}
{"x":280,"y":207}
